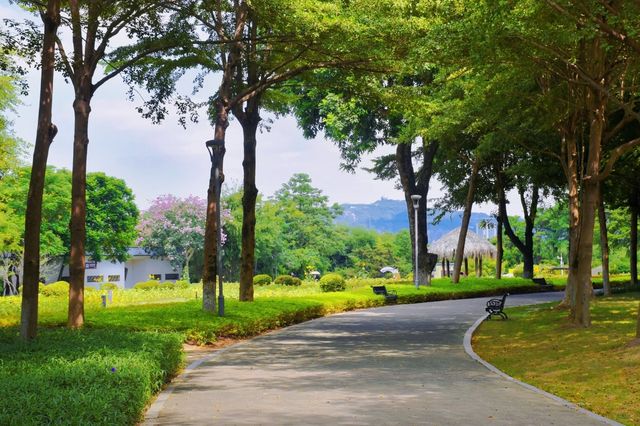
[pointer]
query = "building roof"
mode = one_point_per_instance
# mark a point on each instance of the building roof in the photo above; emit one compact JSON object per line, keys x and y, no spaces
{"x":474,"y":245}
{"x":138,"y":251}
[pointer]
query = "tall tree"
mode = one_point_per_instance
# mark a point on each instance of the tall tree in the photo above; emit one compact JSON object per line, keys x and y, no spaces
{"x":263,"y":45}
{"x":360,"y":113}
{"x":45,"y":133}
{"x":94,"y":27}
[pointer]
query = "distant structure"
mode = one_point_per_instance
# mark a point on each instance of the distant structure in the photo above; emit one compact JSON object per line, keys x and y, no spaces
{"x":475,"y":247}
{"x":140,"y":266}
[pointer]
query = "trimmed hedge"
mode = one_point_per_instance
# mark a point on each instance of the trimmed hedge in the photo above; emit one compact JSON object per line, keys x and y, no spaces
{"x":97,"y":377}
{"x":288,"y":280}
{"x":147,"y":285}
{"x":59,"y":288}
{"x":332,"y":282}
{"x":109,"y":286}
{"x":262,"y":279}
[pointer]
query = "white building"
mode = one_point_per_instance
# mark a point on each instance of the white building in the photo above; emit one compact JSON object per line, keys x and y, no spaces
{"x":139,"y":267}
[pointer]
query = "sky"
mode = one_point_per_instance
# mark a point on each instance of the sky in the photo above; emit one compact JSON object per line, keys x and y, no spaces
{"x":168,"y":159}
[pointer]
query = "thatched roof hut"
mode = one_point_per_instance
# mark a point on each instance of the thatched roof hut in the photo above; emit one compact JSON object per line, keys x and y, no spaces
{"x":474,"y":246}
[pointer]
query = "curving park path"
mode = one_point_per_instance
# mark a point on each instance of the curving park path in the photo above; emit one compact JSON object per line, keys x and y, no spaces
{"x":395,"y":365}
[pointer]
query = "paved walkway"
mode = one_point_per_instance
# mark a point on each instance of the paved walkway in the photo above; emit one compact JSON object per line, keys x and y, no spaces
{"x":394,"y":365}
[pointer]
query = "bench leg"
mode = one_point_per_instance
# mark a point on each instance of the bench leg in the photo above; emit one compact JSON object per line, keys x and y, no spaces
{"x":503,"y":315}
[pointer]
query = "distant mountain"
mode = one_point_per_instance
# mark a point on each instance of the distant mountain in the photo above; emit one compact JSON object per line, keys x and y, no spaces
{"x":387,"y":215}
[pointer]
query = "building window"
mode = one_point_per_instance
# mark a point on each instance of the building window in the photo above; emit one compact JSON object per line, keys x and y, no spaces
{"x":94,"y":278}
{"x":91,"y":264}
{"x":171,"y":276}
{"x":156,"y":277}
{"x":114,"y":278}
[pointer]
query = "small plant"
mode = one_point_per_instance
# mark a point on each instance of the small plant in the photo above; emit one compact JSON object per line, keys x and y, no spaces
{"x":288,"y":280}
{"x":147,"y":285}
{"x":332,"y":282}
{"x":262,"y":279}
{"x":181,"y":284}
{"x":59,"y":288}
{"x":109,"y":286}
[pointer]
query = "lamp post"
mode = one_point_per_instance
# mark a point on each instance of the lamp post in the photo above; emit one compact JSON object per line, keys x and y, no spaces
{"x":216,"y":152}
{"x":416,"y":203}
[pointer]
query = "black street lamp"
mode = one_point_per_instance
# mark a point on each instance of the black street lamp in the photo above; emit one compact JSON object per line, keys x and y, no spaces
{"x":216,"y":152}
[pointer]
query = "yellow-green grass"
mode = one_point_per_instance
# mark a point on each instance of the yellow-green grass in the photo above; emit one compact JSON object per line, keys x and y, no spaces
{"x":595,"y":368}
{"x":178,"y":310}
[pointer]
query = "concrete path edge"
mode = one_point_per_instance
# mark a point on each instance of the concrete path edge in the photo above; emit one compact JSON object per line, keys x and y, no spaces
{"x":469,"y":349}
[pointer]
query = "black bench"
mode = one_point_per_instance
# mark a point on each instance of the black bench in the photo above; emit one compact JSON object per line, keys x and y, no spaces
{"x":389,"y":295}
{"x":495,"y":307}
{"x":542,"y":283}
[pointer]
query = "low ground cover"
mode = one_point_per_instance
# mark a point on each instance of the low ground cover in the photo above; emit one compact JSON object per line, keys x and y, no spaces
{"x":595,"y":368}
{"x":97,"y":377}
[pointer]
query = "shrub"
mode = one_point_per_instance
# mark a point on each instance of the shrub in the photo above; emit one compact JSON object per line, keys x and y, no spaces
{"x":181,"y":284}
{"x":59,"y":288}
{"x":147,"y":285}
{"x":109,"y":286}
{"x":288,"y":280}
{"x":332,"y":282}
{"x":262,"y":279}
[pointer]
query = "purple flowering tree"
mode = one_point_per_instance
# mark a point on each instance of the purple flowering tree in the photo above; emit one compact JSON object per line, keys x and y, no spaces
{"x":173,"y":228}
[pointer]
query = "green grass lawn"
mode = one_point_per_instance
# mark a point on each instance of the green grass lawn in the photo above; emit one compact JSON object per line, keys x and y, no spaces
{"x":595,"y":368}
{"x":141,"y":327}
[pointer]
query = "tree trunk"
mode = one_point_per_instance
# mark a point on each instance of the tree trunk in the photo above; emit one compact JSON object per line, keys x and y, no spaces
{"x":448,"y":269}
{"x":500,"y":250}
{"x":249,"y":197}
{"x":45,"y":133}
{"x":466,"y":266}
{"x":604,"y":244}
{"x":476,"y":266}
{"x":530,"y":212}
{"x":420,"y":186}
{"x":77,"y":259}
{"x":210,"y":269}
{"x":574,"y":222}
{"x":479,"y":266}
{"x":443,"y":271}
{"x":465,"y":221}
{"x":597,"y":102}
{"x":633,"y":247}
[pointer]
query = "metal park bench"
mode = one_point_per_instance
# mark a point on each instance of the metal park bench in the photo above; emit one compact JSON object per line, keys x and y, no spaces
{"x":496,"y":306}
{"x":389,"y":295}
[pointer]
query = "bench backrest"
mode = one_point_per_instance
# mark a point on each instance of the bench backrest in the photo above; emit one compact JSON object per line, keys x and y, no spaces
{"x":380,"y":289}
{"x":497,"y":303}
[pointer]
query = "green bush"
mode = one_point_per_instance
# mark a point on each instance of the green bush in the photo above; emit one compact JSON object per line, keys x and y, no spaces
{"x":109,"y":286}
{"x":147,"y":285}
{"x":332,"y":282}
{"x":288,"y":280}
{"x":90,"y":377}
{"x":167,"y":285}
{"x":59,"y":288}
{"x":262,"y":279}
{"x":181,"y":284}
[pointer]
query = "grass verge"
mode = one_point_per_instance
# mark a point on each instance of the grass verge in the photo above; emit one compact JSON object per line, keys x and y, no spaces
{"x":97,"y":377}
{"x":595,"y":368}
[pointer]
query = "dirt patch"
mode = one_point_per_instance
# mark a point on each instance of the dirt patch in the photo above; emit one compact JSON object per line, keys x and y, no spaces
{"x":196,"y":352}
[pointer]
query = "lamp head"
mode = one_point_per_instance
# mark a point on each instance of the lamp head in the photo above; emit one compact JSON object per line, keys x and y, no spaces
{"x":213,"y":145}
{"x":416,"y":200}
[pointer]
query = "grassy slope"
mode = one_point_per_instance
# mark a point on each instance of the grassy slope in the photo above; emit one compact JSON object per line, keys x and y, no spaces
{"x":592,"y":367}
